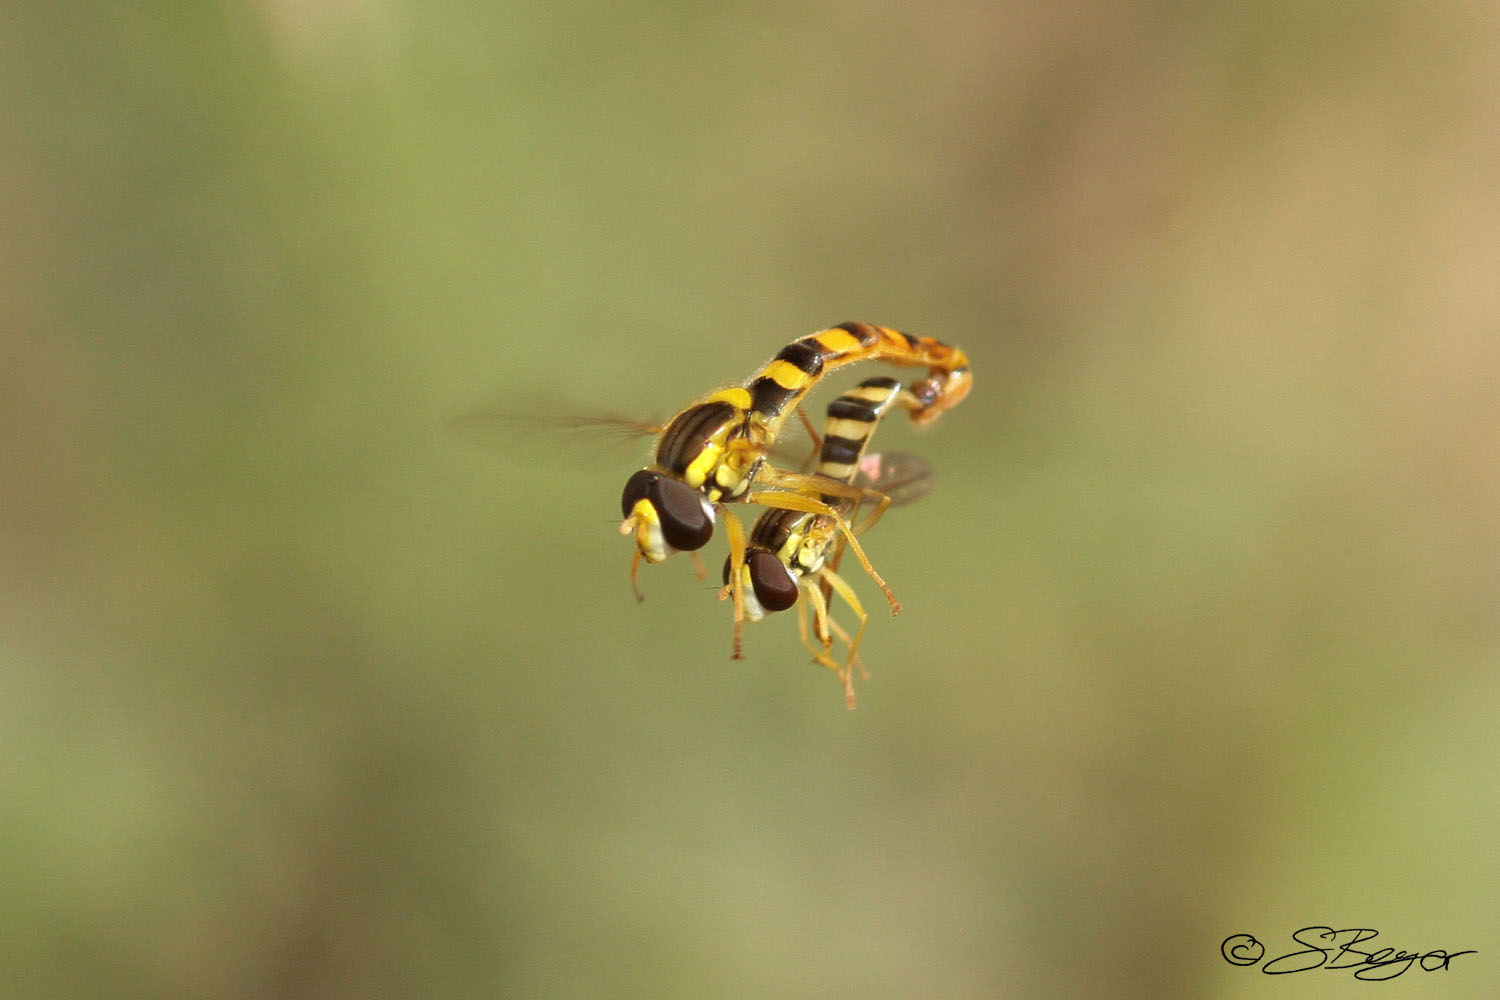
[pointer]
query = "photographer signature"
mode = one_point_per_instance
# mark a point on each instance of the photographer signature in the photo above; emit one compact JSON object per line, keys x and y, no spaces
{"x":1323,"y":951}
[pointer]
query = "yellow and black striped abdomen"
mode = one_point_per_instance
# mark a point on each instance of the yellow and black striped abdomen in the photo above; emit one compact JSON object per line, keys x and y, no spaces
{"x":780,"y":386}
{"x":852,"y":419}
{"x":799,"y":365}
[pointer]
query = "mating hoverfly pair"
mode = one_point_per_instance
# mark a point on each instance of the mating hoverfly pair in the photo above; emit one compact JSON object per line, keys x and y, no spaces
{"x":715,"y":453}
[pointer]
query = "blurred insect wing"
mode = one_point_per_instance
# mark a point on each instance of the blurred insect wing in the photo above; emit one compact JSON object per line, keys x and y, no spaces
{"x":495,"y":429}
{"x":899,"y":475}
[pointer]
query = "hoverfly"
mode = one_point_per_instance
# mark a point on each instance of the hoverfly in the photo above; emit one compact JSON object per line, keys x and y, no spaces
{"x":714,"y":452}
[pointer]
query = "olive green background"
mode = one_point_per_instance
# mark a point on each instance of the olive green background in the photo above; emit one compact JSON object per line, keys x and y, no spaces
{"x":303,"y":694}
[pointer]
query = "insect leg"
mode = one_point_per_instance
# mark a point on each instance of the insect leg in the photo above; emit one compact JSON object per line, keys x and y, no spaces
{"x":736,"y":533}
{"x":635,"y":576}
{"x":847,"y":673}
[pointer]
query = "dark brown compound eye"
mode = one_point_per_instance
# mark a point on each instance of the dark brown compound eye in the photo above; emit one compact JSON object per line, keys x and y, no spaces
{"x":636,"y":488}
{"x":685,"y":524}
{"x":774,"y":587}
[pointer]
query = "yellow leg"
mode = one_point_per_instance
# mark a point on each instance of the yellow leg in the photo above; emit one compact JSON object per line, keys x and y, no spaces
{"x":842,"y":636}
{"x":635,"y":576}
{"x":882,"y":501}
{"x":821,"y":655}
{"x":811,"y":485}
{"x":736,"y":533}
{"x":846,"y":674}
{"x":847,"y":593}
{"x":817,"y":442}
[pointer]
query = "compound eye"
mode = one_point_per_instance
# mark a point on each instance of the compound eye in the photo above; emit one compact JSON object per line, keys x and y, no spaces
{"x":685,"y":524}
{"x":636,"y":488}
{"x":774,"y":587}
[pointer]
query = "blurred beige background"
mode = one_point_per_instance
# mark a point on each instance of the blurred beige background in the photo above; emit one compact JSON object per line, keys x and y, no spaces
{"x":303,"y":696}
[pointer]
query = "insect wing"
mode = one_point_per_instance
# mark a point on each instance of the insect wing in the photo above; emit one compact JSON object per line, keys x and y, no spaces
{"x":503,"y":430}
{"x":497,"y":430}
{"x":901,"y":476}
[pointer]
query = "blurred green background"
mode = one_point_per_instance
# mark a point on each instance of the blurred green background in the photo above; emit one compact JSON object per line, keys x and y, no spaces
{"x":302,"y":695}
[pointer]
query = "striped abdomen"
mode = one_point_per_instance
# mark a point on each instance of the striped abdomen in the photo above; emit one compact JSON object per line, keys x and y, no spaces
{"x":716,"y":445}
{"x":777,"y":389}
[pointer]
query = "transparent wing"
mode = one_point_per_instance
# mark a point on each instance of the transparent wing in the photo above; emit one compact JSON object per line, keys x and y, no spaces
{"x":502,"y":431}
{"x":903,"y":477}
{"x":505,"y":430}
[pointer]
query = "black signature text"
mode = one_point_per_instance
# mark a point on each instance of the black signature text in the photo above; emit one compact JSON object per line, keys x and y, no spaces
{"x":1326,"y":948}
